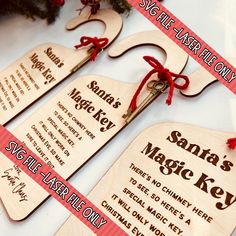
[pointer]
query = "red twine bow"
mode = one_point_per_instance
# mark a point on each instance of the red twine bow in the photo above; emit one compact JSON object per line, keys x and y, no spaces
{"x":163,"y":74}
{"x":98,"y":45}
{"x":231,"y":143}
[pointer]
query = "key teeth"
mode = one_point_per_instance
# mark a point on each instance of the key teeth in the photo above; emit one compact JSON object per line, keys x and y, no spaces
{"x":128,"y":114}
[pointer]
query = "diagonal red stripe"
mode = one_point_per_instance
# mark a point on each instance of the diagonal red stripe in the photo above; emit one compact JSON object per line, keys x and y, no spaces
{"x":220,"y":68}
{"x":108,"y":229}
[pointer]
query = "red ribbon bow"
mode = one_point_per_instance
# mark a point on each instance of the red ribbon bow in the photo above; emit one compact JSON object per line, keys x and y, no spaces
{"x":163,"y":74}
{"x":98,"y":45}
{"x":231,"y":143}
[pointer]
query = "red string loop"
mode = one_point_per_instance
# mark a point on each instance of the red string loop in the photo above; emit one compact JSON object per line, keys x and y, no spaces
{"x":98,"y":45}
{"x":231,"y":143}
{"x":163,"y":74}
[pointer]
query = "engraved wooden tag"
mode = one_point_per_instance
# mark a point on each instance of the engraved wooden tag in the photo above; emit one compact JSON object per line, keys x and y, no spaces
{"x":201,"y":79}
{"x":68,"y":130}
{"x":41,"y":69}
{"x":176,"y":179}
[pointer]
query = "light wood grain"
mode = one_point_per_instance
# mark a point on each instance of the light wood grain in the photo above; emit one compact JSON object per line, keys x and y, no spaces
{"x":115,"y":181}
{"x":84,"y":15}
{"x":51,"y":127}
{"x":176,"y":56}
{"x":21,"y":84}
{"x":111,"y":20}
{"x":200,"y":80}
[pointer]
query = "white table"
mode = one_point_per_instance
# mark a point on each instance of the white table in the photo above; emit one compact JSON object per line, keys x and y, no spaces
{"x":213,"y":20}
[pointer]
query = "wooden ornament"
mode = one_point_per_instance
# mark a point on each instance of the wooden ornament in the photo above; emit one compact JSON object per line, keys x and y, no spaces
{"x":152,"y":38}
{"x":176,"y":179}
{"x":1,"y":208}
{"x":200,"y":80}
{"x":233,"y":113}
{"x":41,"y":69}
{"x":84,"y":15}
{"x":75,"y":124}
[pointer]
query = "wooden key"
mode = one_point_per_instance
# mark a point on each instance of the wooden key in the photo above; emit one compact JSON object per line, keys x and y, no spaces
{"x":86,"y":59}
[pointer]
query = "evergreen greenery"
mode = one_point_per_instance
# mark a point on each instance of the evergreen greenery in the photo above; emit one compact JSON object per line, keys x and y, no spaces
{"x":120,"y":6}
{"x":46,"y":9}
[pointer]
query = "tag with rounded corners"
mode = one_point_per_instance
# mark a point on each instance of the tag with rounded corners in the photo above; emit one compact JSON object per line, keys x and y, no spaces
{"x":41,"y":69}
{"x":155,"y":37}
{"x":176,"y":179}
{"x":68,"y":130}
{"x":84,"y":15}
{"x":202,"y":79}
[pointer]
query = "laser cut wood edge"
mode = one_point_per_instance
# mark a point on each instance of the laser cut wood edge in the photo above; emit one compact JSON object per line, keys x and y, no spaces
{"x":112,"y":30}
{"x":72,"y":226}
{"x":154,"y":37}
{"x":179,"y":66}
{"x":112,"y":20}
{"x":11,"y":215}
{"x":83,"y":15}
{"x":72,"y":55}
{"x":200,"y":80}
{"x":17,"y":215}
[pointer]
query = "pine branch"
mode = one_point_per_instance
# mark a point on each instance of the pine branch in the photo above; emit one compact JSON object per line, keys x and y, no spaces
{"x":43,"y":9}
{"x":120,"y":6}
{"x":52,"y":12}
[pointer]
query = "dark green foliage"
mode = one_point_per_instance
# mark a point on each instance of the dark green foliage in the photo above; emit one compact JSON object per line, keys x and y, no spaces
{"x":43,"y":9}
{"x":120,"y":6}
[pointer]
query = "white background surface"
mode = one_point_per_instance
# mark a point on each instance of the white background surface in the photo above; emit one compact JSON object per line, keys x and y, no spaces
{"x":213,"y":20}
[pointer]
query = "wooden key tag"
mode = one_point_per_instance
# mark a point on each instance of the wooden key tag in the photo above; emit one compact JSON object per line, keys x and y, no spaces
{"x":45,"y":66}
{"x":75,"y":125}
{"x":177,"y":179}
{"x":200,"y":80}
